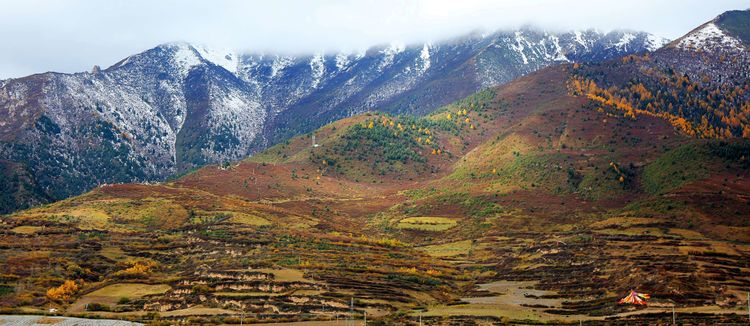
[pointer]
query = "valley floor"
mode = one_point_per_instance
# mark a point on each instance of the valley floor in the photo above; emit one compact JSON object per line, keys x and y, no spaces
{"x":520,"y":205}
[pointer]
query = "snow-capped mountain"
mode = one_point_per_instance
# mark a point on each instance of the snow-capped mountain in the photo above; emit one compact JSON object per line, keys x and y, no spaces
{"x":717,"y":51}
{"x":710,"y":37}
{"x":178,"y":106}
{"x":726,"y":33}
{"x":698,"y":81}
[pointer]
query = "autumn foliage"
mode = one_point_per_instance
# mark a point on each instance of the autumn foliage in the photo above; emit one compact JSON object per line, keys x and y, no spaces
{"x":63,"y":292}
{"x":606,"y":99}
{"x":699,"y":107}
{"x":139,"y":269}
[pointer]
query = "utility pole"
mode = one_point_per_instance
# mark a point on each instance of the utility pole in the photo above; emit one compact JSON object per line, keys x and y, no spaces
{"x":351,"y":308}
{"x":255,"y":183}
{"x":242,"y":314}
{"x":674,"y":317}
{"x":365,"y":317}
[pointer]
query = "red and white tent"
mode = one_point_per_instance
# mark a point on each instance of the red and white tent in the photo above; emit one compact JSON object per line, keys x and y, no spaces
{"x":635,"y":298}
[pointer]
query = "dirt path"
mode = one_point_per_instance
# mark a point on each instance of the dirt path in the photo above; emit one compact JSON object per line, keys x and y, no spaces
{"x":517,"y":300}
{"x":512,"y":299}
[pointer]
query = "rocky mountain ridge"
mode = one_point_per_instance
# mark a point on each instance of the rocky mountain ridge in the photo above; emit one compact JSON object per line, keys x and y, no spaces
{"x":179,"y":106}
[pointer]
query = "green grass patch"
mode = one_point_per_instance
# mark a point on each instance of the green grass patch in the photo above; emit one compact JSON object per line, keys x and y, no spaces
{"x":676,"y":168}
{"x":130,"y":290}
{"x":602,"y":182}
{"x":479,"y":102}
{"x":380,"y":145}
{"x":426,"y":223}
{"x":248,"y":219}
{"x":656,"y":206}
{"x":115,"y":253}
{"x":26,"y":229}
{"x":5,"y":290}
{"x":413,"y":279}
{"x":209,"y":217}
{"x":419,"y":193}
{"x":530,"y":171}
{"x":448,"y":249}
{"x":472,"y":205}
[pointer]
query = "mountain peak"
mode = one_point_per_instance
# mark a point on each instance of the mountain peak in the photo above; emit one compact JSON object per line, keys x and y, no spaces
{"x":180,"y":105}
{"x":224,"y":58}
{"x":186,"y":55}
{"x":709,"y":37}
{"x":190,"y":55}
{"x":736,"y":23}
{"x":654,"y":42}
{"x":729,"y":31}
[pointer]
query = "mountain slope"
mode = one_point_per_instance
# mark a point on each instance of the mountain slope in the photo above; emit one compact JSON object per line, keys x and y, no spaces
{"x":736,"y":24}
{"x":417,"y":79}
{"x":532,"y":184}
{"x":699,"y":82}
{"x":179,"y":106}
{"x":541,"y":201}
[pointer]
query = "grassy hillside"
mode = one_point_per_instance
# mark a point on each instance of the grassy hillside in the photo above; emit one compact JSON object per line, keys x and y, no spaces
{"x":675,"y":168}
{"x":523,"y":203}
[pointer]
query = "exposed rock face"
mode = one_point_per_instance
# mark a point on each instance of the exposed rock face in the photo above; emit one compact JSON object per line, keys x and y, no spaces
{"x":178,"y":106}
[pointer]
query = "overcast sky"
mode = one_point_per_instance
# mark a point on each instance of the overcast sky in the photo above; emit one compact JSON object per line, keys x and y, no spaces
{"x":73,"y":35}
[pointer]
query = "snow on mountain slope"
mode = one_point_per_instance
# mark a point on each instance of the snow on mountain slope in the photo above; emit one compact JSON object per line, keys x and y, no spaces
{"x":654,"y":42}
{"x":185,"y":56}
{"x":709,"y":37}
{"x":280,"y":64}
{"x":425,"y":56}
{"x":178,"y":105}
{"x":342,"y":61}
{"x":225,"y":59}
{"x":532,"y":49}
{"x":318,"y":68}
{"x":625,"y":40}
{"x":389,"y":53}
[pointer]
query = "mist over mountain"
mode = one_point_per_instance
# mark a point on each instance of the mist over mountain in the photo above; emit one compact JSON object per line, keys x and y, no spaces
{"x":179,"y":106}
{"x":515,"y":177}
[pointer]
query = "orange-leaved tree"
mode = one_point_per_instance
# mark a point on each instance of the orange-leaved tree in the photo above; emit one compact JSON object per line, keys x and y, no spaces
{"x":63,"y":292}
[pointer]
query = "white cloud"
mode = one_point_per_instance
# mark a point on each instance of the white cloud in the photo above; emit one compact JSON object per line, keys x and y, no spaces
{"x":73,"y":35}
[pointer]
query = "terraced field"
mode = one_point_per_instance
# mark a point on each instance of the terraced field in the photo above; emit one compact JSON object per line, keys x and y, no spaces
{"x":426,"y":223}
{"x":525,"y":206}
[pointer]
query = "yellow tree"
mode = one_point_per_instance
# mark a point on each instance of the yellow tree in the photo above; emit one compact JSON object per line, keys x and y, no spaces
{"x":63,"y":292}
